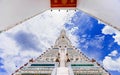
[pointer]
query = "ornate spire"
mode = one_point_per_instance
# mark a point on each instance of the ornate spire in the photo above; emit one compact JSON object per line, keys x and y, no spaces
{"x":67,"y":58}
{"x":62,"y":40}
{"x":63,"y":32}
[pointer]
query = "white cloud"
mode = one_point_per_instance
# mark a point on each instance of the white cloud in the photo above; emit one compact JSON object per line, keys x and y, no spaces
{"x":110,"y":63}
{"x":45,"y":27}
{"x":4,"y":73}
{"x":109,"y":30}
{"x":74,"y":39}
{"x":12,"y":55}
{"x":113,"y":53}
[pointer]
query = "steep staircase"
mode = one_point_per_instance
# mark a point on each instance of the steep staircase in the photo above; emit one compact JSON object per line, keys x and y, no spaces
{"x":62,"y":71}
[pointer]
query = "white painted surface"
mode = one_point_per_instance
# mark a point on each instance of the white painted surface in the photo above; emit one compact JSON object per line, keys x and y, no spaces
{"x":15,"y":11}
{"x":62,"y":59}
{"x":62,"y":71}
{"x":106,"y":10}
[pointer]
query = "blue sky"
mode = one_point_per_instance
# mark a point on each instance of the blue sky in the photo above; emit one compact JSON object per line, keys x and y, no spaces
{"x":90,"y":31}
{"x":92,"y":40}
{"x":31,"y":38}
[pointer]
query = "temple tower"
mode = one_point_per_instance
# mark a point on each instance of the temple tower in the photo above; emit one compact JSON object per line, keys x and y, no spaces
{"x":62,"y":59}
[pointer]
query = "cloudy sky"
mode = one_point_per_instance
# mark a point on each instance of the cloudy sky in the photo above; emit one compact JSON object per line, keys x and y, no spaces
{"x":31,"y":38}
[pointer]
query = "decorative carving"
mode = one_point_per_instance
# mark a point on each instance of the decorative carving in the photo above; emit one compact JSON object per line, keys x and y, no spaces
{"x":31,"y":60}
{"x":93,"y":60}
{"x":68,"y":60}
{"x":57,"y":60}
{"x":71,"y":1}
{"x":55,"y":1}
{"x":64,"y":2}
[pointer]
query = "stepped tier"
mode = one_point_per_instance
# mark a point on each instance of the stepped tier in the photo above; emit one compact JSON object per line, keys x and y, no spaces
{"x":62,"y":59}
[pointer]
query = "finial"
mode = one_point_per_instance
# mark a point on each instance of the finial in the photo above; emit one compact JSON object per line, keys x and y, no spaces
{"x":63,"y":32}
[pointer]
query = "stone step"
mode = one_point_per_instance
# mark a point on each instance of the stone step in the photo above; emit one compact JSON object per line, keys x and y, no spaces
{"x":62,"y":71}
